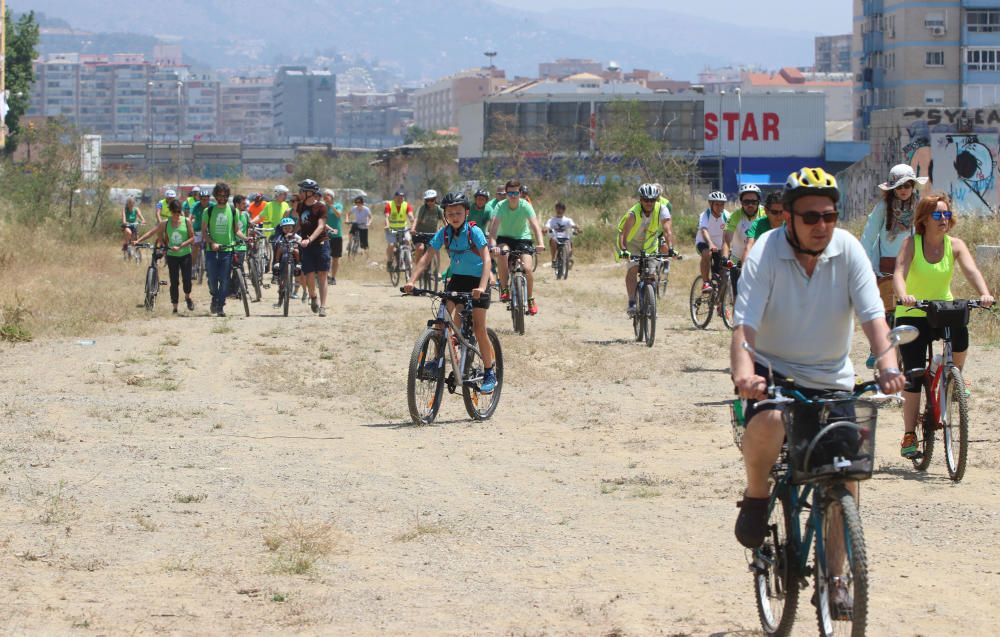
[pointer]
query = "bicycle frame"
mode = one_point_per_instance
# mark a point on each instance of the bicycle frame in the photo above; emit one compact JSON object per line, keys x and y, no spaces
{"x":456,"y":357}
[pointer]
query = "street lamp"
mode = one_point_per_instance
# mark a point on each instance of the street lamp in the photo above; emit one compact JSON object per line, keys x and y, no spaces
{"x":149,"y":143}
{"x":722,"y":163}
{"x":180,"y":85}
{"x":489,"y":56}
{"x":739,"y":132}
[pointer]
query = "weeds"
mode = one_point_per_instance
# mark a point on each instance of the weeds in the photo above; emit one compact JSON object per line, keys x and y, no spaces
{"x":12,"y":328}
{"x":222,"y":328}
{"x":189,"y":498}
{"x":145,"y":523}
{"x":419,"y":530}
{"x":298,"y":544}
{"x":58,"y":507}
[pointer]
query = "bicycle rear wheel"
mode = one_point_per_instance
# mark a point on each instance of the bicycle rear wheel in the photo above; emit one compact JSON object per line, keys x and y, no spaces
{"x":649,"y":312}
{"x":663,"y":276}
{"x":255,"y":279}
{"x":289,"y":275}
{"x":481,"y":406}
{"x":925,"y":430}
{"x":152,"y":283}
{"x":425,"y":379}
{"x":775,"y":580}
{"x":841,"y":567}
{"x":955,"y":418}
{"x":727,"y":302}
{"x":241,"y":289}
{"x":701,"y":304}
{"x":200,"y":263}
{"x":560,"y":262}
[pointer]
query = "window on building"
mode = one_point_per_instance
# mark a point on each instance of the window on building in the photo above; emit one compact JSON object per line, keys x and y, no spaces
{"x":934,"y":19}
{"x":982,"y":59}
{"x":983,"y":21}
{"x":934,"y":58}
{"x":933,"y":97}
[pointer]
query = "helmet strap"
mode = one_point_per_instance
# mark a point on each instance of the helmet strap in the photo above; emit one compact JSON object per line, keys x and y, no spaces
{"x":793,"y":240}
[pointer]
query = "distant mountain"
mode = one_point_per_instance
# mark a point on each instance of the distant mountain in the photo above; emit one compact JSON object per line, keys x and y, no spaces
{"x":432,"y":38}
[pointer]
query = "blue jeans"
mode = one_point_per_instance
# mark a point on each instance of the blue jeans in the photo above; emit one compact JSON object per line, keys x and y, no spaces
{"x":218,"y":265}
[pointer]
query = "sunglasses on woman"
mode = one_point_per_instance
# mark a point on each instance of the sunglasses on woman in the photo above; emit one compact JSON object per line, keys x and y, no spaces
{"x":938,"y":215}
{"x":812,"y":217}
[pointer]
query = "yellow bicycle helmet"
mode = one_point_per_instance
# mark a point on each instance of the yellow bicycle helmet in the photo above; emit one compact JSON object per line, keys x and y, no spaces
{"x":810,"y":181}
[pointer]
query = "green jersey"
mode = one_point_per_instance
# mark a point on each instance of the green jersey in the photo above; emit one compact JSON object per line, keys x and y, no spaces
{"x":131,"y":216}
{"x":220,"y":225}
{"x":196,"y":214}
{"x":274,"y":212}
{"x":177,"y":236}
{"x":335,"y":220}
{"x":481,"y":216}
{"x":514,"y":223}
{"x":244,"y":218}
{"x":759,"y":227}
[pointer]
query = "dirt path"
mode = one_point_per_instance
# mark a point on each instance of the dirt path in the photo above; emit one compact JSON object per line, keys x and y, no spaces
{"x":192,"y":475}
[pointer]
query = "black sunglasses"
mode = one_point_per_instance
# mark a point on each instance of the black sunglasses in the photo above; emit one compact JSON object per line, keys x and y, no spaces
{"x":812,"y":217}
{"x":644,"y":199}
{"x":745,"y":202}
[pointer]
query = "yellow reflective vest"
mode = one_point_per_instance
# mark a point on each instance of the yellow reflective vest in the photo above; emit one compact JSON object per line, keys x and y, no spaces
{"x":651,"y":243}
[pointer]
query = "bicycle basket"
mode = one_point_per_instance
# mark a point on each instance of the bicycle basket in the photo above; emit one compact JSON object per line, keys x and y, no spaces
{"x":948,"y":314}
{"x":834,"y":438}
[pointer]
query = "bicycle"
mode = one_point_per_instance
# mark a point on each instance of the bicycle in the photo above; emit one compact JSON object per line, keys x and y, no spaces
{"x":353,"y":242}
{"x":402,"y":258}
{"x":236,"y":271}
{"x":132,"y":251}
{"x":198,"y":265}
{"x":518,"y":303}
{"x":719,"y":298}
{"x":943,"y":388}
{"x":644,"y":316}
{"x":563,"y":256}
{"x":829,"y":441}
{"x":288,"y":269}
{"x":431,"y":277}
{"x":663,"y":272}
{"x":153,"y":281}
{"x":253,"y":258}
{"x":426,"y":379}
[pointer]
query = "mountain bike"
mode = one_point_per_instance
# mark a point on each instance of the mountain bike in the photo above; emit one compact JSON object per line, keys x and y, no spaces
{"x":719,"y":298}
{"x":518,"y":303}
{"x":402,"y":258}
{"x":563,"y":257}
{"x":153,"y":281}
{"x":236,"y":274}
{"x":353,"y":242}
{"x":945,"y":404}
{"x":133,"y":251}
{"x":288,"y":269}
{"x":829,"y":442}
{"x":663,"y":272}
{"x":426,"y":379}
{"x":431,"y":277}
{"x":198,"y":265}
{"x":253,"y":259}
{"x":644,"y":316}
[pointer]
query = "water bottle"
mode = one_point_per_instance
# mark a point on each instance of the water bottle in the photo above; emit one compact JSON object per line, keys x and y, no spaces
{"x":738,"y":412}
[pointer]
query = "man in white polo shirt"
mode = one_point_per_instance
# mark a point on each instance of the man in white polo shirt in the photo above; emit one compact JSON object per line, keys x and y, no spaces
{"x":799,"y":288}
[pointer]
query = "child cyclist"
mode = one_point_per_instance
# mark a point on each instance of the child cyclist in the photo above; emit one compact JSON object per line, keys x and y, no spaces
{"x":286,"y":238}
{"x":470,"y":272}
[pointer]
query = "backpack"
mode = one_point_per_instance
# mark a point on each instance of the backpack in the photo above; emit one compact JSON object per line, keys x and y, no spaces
{"x":469,"y":225}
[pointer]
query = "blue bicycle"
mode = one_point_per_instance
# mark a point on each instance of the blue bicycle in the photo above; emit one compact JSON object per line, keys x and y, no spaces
{"x":829,"y":444}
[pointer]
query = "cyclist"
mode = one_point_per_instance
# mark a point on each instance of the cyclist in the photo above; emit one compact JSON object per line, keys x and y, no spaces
{"x":773,"y":218}
{"x":163,"y":205}
{"x":888,"y":224}
{"x":711,"y":235}
{"x":192,"y":199}
{"x":361,"y":218}
{"x":738,"y":227}
{"x":335,"y":229}
{"x":429,"y":218}
{"x":479,"y":212}
{"x":470,"y":264}
{"x":240,"y":252}
{"x":800,"y":286}
{"x":315,"y":246}
{"x":398,"y":216}
{"x":560,"y":227}
{"x":513,"y":226}
{"x":923,"y":271}
{"x":131,"y":219}
{"x":640,"y":231}
{"x":275,"y":210}
{"x":285,"y":239}
{"x":221,"y":229}
{"x":177,"y":234}
{"x":197,"y":214}
{"x":257,"y":204}
{"x":499,"y":197}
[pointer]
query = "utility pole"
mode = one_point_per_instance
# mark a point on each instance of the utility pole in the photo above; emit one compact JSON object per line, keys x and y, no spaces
{"x":3,"y":69}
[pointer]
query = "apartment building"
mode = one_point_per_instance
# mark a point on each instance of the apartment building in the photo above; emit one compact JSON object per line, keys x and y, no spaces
{"x":944,"y":53}
{"x":305,"y":105}
{"x":436,"y":106}
{"x":564,"y":67}
{"x":246,"y":110}
{"x":833,"y":54}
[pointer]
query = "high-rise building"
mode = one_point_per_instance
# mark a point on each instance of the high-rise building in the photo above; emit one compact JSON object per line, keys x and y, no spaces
{"x":305,"y":105}
{"x":246,"y":110}
{"x":940,"y":54}
{"x":201,"y":108}
{"x":833,"y":54}
{"x":436,"y":106}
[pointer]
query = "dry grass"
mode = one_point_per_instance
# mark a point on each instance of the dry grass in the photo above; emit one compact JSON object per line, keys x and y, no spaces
{"x":298,"y":544}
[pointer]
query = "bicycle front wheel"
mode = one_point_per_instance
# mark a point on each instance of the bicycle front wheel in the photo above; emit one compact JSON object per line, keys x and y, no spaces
{"x":481,"y":406}
{"x":841,"y":567}
{"x":518,"y":302}
{"x":925,"y":430}
{"x":241,"y":289}
{"x":255,"y":279}
{"x":151,"y":287}
{"x":955,"y":418}
{"x":727,"y":302}
{"x":775,"y":580}
{"x":435,"y":269}
{"x":560,"y":262}
{"x":394,"y":269}
{"x":289,"y":275}
{"x":701,"y":304}
{"x":425,"y":380}
{"x":649,"y":313}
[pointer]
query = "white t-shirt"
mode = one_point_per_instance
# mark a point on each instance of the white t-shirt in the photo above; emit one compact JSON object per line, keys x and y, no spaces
{"x":716,"y":227}
{"x":740,"y":235}
{"x":362,"y":216}
{"x":560,"y":227}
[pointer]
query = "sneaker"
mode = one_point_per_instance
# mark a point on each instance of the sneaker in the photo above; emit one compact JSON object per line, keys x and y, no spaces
{"x":870,"y":363}
{"x":553,"y":264}
{"x":313,"y":304}
{"x":631,"y":309}
{"x":429,"y":370}
{"x":532,"y":307}
{"x":706,"y":287}
{"x":222,"y":313}
{"x":751,"y":524}
{"x":908,"y":448}
{"x":190,"y":305}
{"x":489,"y":381}
{"x":333,"y":280}
{"x":295,"y":294}
{"x":175,"y":309}
{"x":322,"y":311}
{"x":281,"y":300}
{"x":504,"y":294}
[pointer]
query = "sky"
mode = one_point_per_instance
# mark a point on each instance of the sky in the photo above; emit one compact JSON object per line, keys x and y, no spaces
{"x":824,"y":18}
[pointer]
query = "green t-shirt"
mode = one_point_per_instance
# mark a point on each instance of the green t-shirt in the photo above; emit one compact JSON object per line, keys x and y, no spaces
{"x":274,"y":212}
{"x":131,"y":215}
{"x":481,"y":217}
{"x":759,"y":227}
{"x":196,"y":214}
{"x":220,"y":225}
{"x":244,"y":217}
{"x":335,"y":222}
{"x":177,"y":236}
{"x":738,"y":217}
{"x":514,"y":224}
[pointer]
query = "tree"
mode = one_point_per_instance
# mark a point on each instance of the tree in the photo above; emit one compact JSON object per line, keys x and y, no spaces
{"x":22,"y":42}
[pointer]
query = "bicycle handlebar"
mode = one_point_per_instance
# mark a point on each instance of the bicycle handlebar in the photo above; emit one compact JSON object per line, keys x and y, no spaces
{"x":451,"y":296}
{"x":973,"y":303}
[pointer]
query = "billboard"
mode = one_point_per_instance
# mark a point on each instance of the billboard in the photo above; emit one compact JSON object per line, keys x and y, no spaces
{"x":765,"y":125}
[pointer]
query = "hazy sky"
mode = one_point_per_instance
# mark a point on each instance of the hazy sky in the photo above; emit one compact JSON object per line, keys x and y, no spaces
{"x":827,"y":18}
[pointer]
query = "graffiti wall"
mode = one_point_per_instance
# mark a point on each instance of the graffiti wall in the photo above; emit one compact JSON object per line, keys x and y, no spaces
{"x":955,"y":148}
